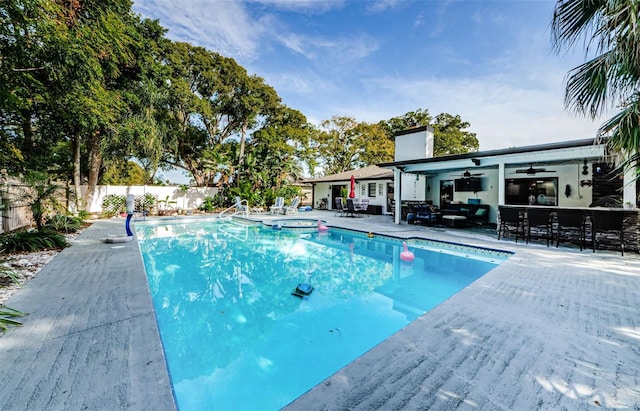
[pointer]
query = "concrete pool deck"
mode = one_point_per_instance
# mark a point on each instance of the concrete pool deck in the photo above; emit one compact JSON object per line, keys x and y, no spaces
{"x":549,"y":329}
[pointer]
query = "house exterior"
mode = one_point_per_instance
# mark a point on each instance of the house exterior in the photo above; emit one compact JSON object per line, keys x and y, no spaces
{"x":567,"y":174}
{"x":373,"y":182}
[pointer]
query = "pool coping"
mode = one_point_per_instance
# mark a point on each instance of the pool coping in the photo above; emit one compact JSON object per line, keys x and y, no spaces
{"x":549,"y":328}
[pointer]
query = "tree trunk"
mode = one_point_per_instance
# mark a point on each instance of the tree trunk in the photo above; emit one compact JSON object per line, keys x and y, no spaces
{"x":27,"y":129}
{"x":75,"y":147}
{"x":243,"y":137}
{"x":95,"y":163}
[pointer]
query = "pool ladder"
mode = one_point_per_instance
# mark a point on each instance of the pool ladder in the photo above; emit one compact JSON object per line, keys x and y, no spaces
{"x":238,"y":231}
{"x":237,"y":209}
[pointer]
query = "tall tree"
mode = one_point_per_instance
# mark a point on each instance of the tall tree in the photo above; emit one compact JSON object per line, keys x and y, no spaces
{"x":338,"y":145}
{"x":141,"y":133}
{"x":28,"y":29}
{"x":611,"y":30}
{"x":279,"y":148}
{"x":67,"y":62}
{"x":450,"y":137}
{"x":410,"y":119}
{"x":212,"y":99}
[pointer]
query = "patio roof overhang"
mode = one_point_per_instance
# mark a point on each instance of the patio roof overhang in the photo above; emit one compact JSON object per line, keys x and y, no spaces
{"x":548,"y":154}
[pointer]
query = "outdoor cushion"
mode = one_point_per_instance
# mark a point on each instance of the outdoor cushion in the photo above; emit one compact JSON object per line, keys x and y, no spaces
{"x":480,"y":212}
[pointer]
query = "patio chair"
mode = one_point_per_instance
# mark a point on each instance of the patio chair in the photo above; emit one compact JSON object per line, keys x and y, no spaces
{"x":510,"y":217}
{"x":278,"y":206}
{"x":351,"y":208}
{"x":240,"y":204}
{"x":604,"y":222}
{"x":540,"y":219}
{"x":421,"y":213}
{"x":363,"y":206}
{"x":339,"y":208}
{"x":293,"y":207}
{"x":570,"y":221}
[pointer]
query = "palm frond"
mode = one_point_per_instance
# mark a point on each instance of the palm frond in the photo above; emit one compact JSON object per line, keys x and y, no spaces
{"x":573,"y":20}
{"x":623,"y":129}
{"x":587,"y":86}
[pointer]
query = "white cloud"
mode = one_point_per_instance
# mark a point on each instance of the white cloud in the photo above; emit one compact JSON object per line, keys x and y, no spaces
{"x":221,"y":26}
{"x":382,"y":5}
{"x":303,"y":6}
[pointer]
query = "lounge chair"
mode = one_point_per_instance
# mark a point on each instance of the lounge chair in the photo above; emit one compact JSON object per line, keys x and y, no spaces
{"x":278,"y":206}
{"x":242,"y":205}
{"x":293,"y":207}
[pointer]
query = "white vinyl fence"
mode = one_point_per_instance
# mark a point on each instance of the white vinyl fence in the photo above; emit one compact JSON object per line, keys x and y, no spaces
{"x":16,"y":213}
{"x":168,"y":196}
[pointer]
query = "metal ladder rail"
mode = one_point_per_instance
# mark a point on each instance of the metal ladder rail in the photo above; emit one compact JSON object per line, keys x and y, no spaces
{"x":244,"y":212}
{"x":241,"y":235}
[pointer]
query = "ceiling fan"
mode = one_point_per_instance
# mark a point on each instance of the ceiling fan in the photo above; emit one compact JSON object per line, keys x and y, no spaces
{"x":532,"y":170}
{"x":468,"y":174}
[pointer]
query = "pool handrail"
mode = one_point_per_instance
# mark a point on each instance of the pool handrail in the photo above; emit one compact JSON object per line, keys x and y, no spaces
{"x":231,"y":233}
{"x":241,"y":207}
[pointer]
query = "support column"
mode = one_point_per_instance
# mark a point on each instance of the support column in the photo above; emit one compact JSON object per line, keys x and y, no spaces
{"x":501,"y":184}
{"x":397,"y":194}
{"x":629,"y":193}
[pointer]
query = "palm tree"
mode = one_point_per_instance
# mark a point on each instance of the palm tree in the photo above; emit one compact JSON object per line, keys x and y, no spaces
{"x":611,"y":30}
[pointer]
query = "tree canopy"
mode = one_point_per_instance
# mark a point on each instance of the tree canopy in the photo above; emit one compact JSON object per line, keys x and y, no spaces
{"x":89,"y":88}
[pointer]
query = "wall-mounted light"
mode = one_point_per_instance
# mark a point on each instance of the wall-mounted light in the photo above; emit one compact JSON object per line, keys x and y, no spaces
{"x":476,"y":161}
{"x":585,"y":168}
{"x":567,"y":190}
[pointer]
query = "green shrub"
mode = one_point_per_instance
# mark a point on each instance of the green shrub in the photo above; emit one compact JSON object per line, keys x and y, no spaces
{"x":113,"y":204}
{"x":32,"y":241}
{"x":146,"y":202}
{"x":6,"y":315}
{"x":83,"y":214}
{"x":208,"y":204}
{"x":7,"y":272}
{"x":63,"y":224}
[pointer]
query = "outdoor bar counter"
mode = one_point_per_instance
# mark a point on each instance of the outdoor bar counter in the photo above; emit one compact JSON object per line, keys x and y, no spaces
{"x":631,"y":224}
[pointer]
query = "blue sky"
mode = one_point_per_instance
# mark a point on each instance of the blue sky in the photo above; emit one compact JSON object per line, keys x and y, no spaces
{"x":488,"y":61}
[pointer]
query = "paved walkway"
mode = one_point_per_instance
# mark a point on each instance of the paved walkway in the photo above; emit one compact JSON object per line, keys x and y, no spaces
{"x":549,"y":329}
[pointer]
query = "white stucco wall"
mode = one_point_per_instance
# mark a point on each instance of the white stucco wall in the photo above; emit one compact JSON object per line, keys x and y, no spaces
{"x":323,"y":190}
{"x":414,"y":187}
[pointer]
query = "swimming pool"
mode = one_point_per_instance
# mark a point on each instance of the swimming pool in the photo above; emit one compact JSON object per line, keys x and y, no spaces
{"x":234,"y":335}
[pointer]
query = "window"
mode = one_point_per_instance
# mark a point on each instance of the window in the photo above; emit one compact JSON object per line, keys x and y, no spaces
{"x":372,"y":190}
{"x":532,"y":191}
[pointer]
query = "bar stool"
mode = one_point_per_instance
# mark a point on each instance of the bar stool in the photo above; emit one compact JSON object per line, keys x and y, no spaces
{"x":607,"y":221}
{"x":510,"y":217}
{"x":539,"y":218}
{"x":568,"y":221}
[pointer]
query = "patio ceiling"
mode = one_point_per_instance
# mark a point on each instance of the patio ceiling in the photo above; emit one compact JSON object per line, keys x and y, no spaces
{"x":475,"y":162}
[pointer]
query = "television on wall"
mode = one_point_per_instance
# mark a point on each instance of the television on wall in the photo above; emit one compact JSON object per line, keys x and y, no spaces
{"x":473,"y":184}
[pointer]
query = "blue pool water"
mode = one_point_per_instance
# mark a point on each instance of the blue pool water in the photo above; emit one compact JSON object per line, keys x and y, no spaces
{"x":235,"y":337}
